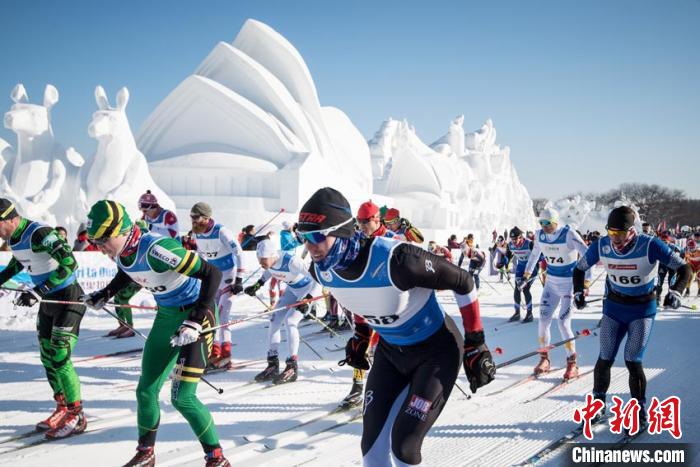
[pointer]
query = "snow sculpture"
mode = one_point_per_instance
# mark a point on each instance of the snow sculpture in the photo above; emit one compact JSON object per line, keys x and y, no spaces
{"x":119,"y":171}
{"x":585,"y":214}
{"x":247,"y":134}
{"x":42,"y":178}
{"x":460,"y":183}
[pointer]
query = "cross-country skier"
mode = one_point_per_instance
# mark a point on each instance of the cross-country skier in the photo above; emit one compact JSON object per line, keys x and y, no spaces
{"x":560,"y":247}
{"x":519,"y":249}
{"x":51,"y":266}
{"x":392,"y":285}
{"x":402,"y":227}
{"x":291,"y":270}
{"x":665,"y":272}
{"x":160,"y":220}
{"x":218,"y":245}
{"x":630,"y":260}
{"x":184,"y":287}
{"x":475,"y":257}
{"x":692,"y":256}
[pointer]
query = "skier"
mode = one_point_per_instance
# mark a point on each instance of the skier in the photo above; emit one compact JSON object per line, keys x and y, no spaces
{"x":665,"y":272}
{"x":500,"y":249}
{"x":519,"y":248}
{"x":368,"y":216}
{"x":160,"y":220}
{"x":291,"y":270}
{"x":692,"y":256}
{"x":51,"y":266}
{"x":392,"y":285}
{"x":218,"y":245}
{"x":402,"y":227}
{"x":629,"y":308}
{"x":439,"y":250}
{"x":184,"y":287}
{"x":560,"y":247}
{"x":476,"y":257}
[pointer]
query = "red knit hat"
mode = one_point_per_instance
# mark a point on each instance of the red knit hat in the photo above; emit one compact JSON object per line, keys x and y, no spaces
{"x":367,"y":210}
{"x":392,"y":213}
{"x":148,"y":198}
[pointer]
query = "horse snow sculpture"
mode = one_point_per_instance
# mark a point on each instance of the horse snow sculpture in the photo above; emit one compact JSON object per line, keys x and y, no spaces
{"x":119,"y":170}
{"x":43,"y":178}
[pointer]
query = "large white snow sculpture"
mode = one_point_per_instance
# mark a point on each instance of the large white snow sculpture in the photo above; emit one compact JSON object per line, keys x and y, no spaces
{"x":119,"y":171}
{"x":459,"y":184}
{"x":43,"y":177}
{"x":247,"y":134}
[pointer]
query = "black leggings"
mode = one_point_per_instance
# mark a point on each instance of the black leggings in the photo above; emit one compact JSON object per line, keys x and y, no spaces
{"x":406,"y":390}
{"x":526,"y":293}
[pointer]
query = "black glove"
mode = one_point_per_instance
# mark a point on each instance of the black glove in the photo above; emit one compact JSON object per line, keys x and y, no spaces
{"x":356,"y":348}
{"x":97,"y":299}
{"x":580,"y":300}
{"x":478,"y":364}
{"x":252,"y":289}
{"x":27,"y":299}
{"x":673,"y":299}
{"x":304,"y":307}
{"x":237,"y":286}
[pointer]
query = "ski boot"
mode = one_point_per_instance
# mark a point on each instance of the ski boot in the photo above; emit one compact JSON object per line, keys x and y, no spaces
{"x":515,"y":317}
{"x":73,"y":423}
{"x":216,"y":458}
{"x":126,"y":332}
{"x":223,"y":360}
{"x":271,"y":372}
{"x":290,"y":372}
{"x":145,"y":457}
{"x":355,"y":398}
{"x":528,"y":317}
{"x":117,"y":331}
{"x":571,"y":368}
{"x":55,"y":418}
{"x":543,"y":366}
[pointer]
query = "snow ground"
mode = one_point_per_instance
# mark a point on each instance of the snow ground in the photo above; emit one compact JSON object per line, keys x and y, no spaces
{"x":262,"y":426}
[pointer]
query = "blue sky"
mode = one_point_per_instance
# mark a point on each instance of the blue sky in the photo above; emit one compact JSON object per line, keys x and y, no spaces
{"x":587,"y":94}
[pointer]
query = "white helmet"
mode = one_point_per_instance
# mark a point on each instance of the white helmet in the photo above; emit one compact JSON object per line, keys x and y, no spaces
{"x":266,"y":249}
{"x":549,"y":214}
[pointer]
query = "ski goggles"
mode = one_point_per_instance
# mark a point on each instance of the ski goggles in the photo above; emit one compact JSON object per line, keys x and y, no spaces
{"x":147,"y":206}
{"x":545,"y":222}
{"x":393,"y":221}
{"x":617,"y":233}
{"x":319,"y":236}
{"x":99,"y":241}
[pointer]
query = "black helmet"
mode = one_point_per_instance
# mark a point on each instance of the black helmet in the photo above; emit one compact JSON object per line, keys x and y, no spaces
{"x":515,"y":232}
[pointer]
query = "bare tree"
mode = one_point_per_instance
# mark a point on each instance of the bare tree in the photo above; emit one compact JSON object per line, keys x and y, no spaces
{"x":655,"y":202}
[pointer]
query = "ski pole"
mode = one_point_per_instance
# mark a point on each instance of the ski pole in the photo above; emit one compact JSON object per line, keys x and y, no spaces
{"x":581,"y":333}
{"x":257,"y":315}
{"x":145,"y":338}
{"x":263,"y":226}
{"x":597,"y":277}
{"x":68,"y":302}
{"x":691,"y":307}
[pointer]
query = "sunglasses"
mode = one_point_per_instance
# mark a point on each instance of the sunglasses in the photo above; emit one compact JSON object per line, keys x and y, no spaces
{"x":392,"y":221}
{"x":545,"y":223}
{"x":147,"y":206}
{"x":319,"y":236}
{"x":366,"y":221}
